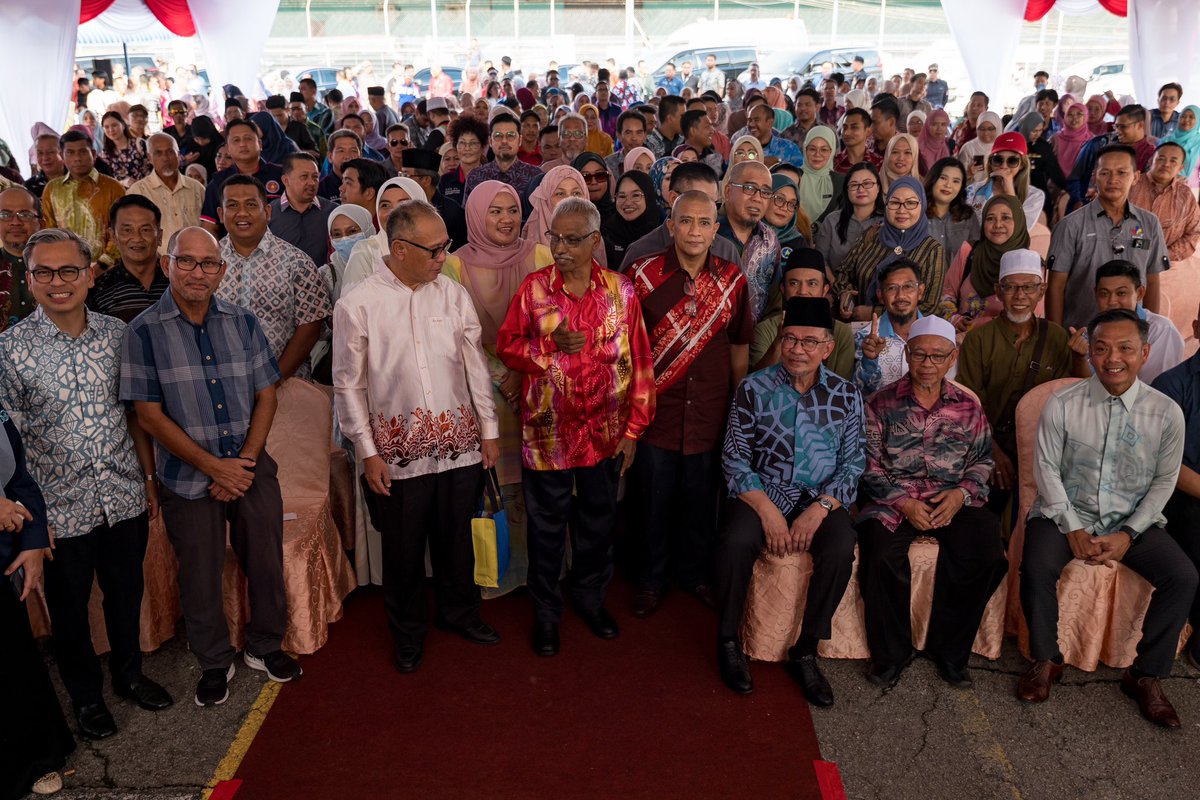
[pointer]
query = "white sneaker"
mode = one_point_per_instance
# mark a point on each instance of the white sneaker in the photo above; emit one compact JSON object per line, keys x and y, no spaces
{"x":50,"y":783}
{"x":279,"y":666}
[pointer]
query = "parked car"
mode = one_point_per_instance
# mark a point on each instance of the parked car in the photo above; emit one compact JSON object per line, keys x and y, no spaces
{"x":732,"y":60}
{"x":326,"y":78}
{"x":806,"y":64}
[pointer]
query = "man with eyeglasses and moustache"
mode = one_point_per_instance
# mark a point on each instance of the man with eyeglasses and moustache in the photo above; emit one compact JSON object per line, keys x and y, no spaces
{"x":19,"y":219}
{"x":572,"y":139}
{"x":929,"y":458}
{"x":747,"y":193}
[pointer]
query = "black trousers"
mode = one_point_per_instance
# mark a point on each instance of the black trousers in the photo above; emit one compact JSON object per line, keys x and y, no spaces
{"x":970,"y":565}
{"x":1155,"y":556}
{"x":679,"y":514}
{"x":436,"y":508}
{"x":196,"y":529}
{"x":742,"y":541}
{"x":589,"y":516}
{"x":112,"y":555}
{"x":34,"y":737}
{"x":1183,"y":523}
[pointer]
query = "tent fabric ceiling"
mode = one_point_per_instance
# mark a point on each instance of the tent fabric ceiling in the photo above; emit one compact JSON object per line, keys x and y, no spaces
{"x":135,"y":16}
{"x":1036,"y":9}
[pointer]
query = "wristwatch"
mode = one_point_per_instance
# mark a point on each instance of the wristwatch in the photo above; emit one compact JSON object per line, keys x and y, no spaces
{"x":825,"y":503}
{"x":966,"y":496}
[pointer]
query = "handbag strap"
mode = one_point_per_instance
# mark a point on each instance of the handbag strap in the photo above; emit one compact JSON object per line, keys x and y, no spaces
{"x":1035,"y":366}
{"x":491,"y":489}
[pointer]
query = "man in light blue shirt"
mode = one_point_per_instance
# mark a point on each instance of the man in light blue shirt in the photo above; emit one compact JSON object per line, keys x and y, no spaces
{"x":1106,"y":462}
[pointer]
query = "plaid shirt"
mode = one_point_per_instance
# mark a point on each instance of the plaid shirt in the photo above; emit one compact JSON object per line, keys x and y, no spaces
{"x":205,"y":376}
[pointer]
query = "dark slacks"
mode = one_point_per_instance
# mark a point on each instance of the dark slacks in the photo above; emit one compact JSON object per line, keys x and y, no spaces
{"x":1155,"y":556}
{"x":1183,"y":523}
{"x":742,"y":541}
{"x":679,"y":514}
{"x":436,"y":509}
{"x":970,"y":565}
{"x":589,"y":516}
{"x":196,"y":529}
{"x":34,"y":737}
{"x":112,"y":555}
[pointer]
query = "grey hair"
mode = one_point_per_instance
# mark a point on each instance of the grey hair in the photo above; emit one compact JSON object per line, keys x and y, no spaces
{"x":54,"y":236}
{"x":403,"y":219}
{"x":573,"y":116}
{"x":343,"y":133}
{"x":578,"y":205}
{"x":160,"y":135}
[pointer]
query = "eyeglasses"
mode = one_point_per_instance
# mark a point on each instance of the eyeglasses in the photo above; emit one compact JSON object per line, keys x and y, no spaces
{"x":749,"y":189}
{"x":595,"y":177}
{"x":1006,"y":161}
{"x":907,"y":205}
{"x":398,"y":142}
{"x":570,"y":135}
{"x":746,"y":155}
{"x":808,"y":344}
{"x":937,"y":359}
{"x":46,"y":275}
{"x":1028,"y":289}
{"x":862,"y":185}
{"x":434,"y":252}
{"x":632,"y":196}
{"x":505,"y":136}
{"x":24,"y":216}
{"x":209,"y":266}
{"x":468,"y":144}
{"x":780,"y":202}
{"x":896,"y":288}
{"x":569,"y":241}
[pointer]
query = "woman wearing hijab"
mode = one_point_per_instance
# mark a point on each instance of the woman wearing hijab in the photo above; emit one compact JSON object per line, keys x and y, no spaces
{"x":686,"y":153}
{"x":275,"y":145}
{"x":1071,"y":139}
{"x":860,"y":209}
{"x":491,"y":267}
{"x":970,"y":285}
{"x":951,"y":221}
{"x":371,"y":136}
{"x":821,"y":186}
{"x":1008,"y":171}
{"x":599,"y":186}
{"x":974,"y":153}
{"x":1097,"y":107}
{"x":639,"y":159}
{"x":932,"y":145}
{"x":347,"y":226}
{"x":1044,"y":172}
{"x":598,"y":141}
{"x":558,"y":184}
{"x":901,"y":158}
{"x":34,"y":731}
{"x":1187,"y":136}
{"x":915,"y":123}
{"x":660,"y":175}
{"x":367,"y":256}
{"x":785,"y":214}
{"x":903,"y":234}
{"x":634,"y":214}
{"x":201,"y":145}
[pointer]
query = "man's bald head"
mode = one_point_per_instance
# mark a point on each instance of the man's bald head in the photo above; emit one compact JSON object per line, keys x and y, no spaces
{"x":190,"y":238}
{"x":750,"y":170}
{"x":693,"y":202}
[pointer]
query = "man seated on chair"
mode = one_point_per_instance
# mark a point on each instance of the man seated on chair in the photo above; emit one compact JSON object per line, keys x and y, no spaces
{"x":879,"y":358}
{"x":929,"y":457}
{"x":1004,"y":358}
{"x":1107,"y":459}
{"x":1182,"y":384}
{"x":793,"y":456}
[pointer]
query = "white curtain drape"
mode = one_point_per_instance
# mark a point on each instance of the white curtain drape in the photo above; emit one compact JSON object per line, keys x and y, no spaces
{"x":1164,"y":46}
{"x":987,"y":34}
{"x":123,"y":18}
{"x":37,"y":52}
{"x":233,"y":34}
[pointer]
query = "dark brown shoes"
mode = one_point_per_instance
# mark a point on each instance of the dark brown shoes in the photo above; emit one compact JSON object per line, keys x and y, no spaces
{"x":1034,"y":685}
{"x":1151,"y":699}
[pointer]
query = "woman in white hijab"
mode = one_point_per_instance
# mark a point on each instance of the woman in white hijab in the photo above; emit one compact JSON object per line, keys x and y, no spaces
{"x":367,"y":255}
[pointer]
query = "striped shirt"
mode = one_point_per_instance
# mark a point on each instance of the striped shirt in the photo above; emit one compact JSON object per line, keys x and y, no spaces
{"x":119,"y":294}
{"x":205,"y":376}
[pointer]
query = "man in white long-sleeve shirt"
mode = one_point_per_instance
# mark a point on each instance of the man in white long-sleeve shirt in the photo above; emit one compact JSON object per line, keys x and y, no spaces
{"x":415,"y":397}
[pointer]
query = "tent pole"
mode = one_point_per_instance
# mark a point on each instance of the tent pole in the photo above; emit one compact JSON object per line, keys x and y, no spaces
{"x":125,"y":50}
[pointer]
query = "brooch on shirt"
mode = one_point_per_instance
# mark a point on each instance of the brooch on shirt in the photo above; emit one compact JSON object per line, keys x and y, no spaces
{"x":898,"y":250}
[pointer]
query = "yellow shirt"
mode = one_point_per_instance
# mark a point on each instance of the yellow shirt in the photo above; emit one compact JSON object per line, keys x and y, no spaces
{"x":81,"y":206}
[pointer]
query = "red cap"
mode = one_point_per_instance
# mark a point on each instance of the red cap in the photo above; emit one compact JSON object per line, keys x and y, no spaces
{"x":1010,"y":141}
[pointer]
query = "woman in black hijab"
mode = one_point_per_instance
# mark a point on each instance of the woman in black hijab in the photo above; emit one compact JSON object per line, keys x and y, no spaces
{"x":205,"y":141}
{"x":275,"y":145}
{"x":634,"y":214}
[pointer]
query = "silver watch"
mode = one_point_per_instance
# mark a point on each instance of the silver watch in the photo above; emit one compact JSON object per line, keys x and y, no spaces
{"x":966,"y":496}
{"x":825,"y":503}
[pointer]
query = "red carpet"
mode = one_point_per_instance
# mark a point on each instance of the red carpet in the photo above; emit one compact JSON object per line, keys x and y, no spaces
{"x":644,"y":715}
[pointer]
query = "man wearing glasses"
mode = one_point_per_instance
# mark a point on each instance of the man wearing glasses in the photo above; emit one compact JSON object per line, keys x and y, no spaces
{"x":880,"y":348}
{"x":697,"y":312}
{"x":505,"y":135}
{"x":1004,"y":358}
{"x":1106,"y":228}
{"x":746,"y":197}
{"x":19,"y":219}
{"x":929,"y":458}
{"x":201,"y":377}
{"x":415,"y":397}
{"x":573,"y":325}
{"x":397,"y":143}
{"x":572,"y":138}
{"x":794,"y":452}
{"x":59,"y":375}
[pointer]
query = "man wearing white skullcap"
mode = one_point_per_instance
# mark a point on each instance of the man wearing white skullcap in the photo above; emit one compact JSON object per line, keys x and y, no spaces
{"x":929,"y":459}
{"x":1005,"y":357}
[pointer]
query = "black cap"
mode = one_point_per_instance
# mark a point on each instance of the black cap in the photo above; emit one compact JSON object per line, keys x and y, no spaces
{"x":295,"y":97}
{"x":375,"y":91}
{"x":804,"y":258}
{"x":230,"y":102}
{"x":808,"y":312}
{"x":420,"y":158}
{"x":276,"y":101}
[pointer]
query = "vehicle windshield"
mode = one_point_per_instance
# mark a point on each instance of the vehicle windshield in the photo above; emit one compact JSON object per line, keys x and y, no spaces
{"x":785,"y":63}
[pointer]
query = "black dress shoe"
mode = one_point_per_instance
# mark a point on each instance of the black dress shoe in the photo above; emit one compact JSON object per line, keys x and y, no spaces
{"x":408,"y":657}
{"x":888,"y":675}
{"x":645,"y":603}
{"x":735,"y":672}
{"x":545,"y":638}
{"x":601,"y":623}
{"x":958,"y":677}
{"x":704,"y":593}
{"x":476,"y":632}
{"x":804,"y":671}
{"x":95,"y":721}
{"x":145,"y":692}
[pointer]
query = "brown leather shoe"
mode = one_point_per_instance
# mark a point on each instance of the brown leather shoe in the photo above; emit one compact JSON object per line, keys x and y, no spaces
{"x":1151,"y":700}
{"x":1034,"y":685}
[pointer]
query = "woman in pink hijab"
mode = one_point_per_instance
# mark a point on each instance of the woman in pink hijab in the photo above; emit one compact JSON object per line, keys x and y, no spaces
{"x":1096,"y":108}
{"x":1071,"y":139}
{"x":931,"y":144}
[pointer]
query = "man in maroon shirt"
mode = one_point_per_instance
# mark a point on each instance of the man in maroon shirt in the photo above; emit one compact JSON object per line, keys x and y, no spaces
{"x":697,"y":312}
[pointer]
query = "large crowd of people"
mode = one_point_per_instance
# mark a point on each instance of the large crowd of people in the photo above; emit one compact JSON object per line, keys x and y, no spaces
{"x":776,"y":318}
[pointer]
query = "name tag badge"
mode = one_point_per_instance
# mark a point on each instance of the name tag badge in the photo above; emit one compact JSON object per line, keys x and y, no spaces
{"x":1141,"y":243}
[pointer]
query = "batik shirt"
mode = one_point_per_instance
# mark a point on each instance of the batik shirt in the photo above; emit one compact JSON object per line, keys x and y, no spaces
{"x":575,"y":409}
{"x":872,"y":374}
{"x":63,"y":392}
{"x":16,"y":301}
{"x":792,"y":446}
{"x":81,"y":206}
{"x":760,"y":260}
{"x":917,"y":452}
